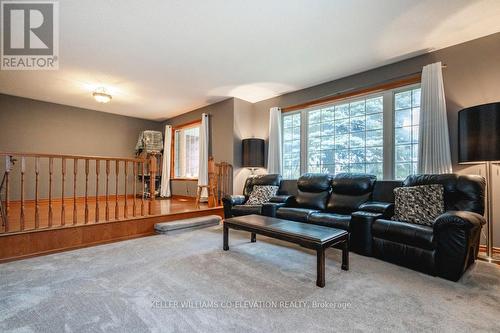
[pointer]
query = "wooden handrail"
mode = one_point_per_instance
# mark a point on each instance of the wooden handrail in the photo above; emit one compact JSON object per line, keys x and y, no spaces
{"x":80,"y":157}
{"x":54,"y":177}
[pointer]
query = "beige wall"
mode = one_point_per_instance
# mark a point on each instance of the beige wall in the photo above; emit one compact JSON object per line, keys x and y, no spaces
{"x":244,"y":128}
{"x":28,"y":125}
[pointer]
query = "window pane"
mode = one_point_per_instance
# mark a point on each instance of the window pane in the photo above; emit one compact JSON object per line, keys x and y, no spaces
{"x":415,"y":116}
{"x":342,"y":126}
{"x":327,"y":142}
{"x":357,"y":168}
{"x":357,"y":139}
{"x":403,"y":153}
{"x":327,"y":129}
{"x":314,"y":116}
{"x":328,"y":115}
{"x":403,"y":118}
{"x":374,"y":154}
{"x":357,"y":108}
{"x":342,"y":142}
{"x":374,"y":105}
{"x":402,"y":100}
{"x":374,"y":121}
{"x":375,"y":169}
{"x":358,"y":124}
{"x":342,"y":111}
{"x":403,"y":135}
{"x":403,"y":170}
{"x":415,"y":97}
{"x":314,"y":143}
{"x":357,"y":155}
{"x":374,"y":138}
{"x":186,"y":152}
{"x":326,"y":157}
{"x":314,"y":130}
{"x":406,"y":123}
{"x":291,"y":145}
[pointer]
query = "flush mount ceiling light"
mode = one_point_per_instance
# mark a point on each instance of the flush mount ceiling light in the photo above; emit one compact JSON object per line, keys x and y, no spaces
{"x":101,"y":96}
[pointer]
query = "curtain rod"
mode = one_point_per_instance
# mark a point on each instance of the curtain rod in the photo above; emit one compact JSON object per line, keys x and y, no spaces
{"x":320,"y":100}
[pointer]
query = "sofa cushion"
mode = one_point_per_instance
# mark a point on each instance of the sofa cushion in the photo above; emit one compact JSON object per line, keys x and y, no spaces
{"x":418,"y":204}
{"x":349,"y":191}
{"x":271,"y":179}
{"x":339,"y":221}
{"x":404,"y":233}
{"x":240,"y":210}
{"x":261,"y":194}
{"x":313,"y":191}
{"x":294,"y":214}
{"x":461,"y":192}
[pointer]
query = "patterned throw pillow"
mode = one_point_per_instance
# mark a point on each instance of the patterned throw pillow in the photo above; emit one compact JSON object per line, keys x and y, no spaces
{"x":419,"y":204}
{"x":261,"y":194}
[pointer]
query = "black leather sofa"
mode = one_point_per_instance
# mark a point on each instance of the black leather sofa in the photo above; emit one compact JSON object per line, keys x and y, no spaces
{"x":234,"y":205}
{"x":451,"y":244}
{"x":364,"y":207}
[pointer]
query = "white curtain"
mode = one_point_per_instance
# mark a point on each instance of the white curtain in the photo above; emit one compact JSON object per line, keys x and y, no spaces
{"x":434,"y":142}
{"x":203,"y":161}
{"x":165,"y":170}
{"x":274,"y":158}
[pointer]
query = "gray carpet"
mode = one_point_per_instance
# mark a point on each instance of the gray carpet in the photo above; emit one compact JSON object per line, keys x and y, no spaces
{"x":133,"y":286}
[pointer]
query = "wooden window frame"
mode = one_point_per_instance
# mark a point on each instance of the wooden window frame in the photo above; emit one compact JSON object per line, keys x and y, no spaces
{"x":414,"y":79}
{"x":190,"y":124}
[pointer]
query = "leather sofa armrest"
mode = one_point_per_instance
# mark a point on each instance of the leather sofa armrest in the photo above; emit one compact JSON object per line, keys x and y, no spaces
{"x":460,"y":219}
{"x":229,"y":201}
{"x":234,"y":199}
{"x":270,"y":208}
{"x":361,"y":238}
{"x":286,"y":199}
{"x":457,"y":234}
{"x":384,"y":208}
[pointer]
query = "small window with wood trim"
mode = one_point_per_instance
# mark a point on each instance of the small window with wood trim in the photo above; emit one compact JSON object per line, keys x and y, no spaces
{"x":186,"y":151}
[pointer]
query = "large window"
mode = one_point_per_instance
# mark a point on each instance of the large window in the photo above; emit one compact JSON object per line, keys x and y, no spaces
{"x":375,"y":134}
{"x":186,"y":152}
{"x":347,"y":137}
{"x":291,"y":145}
{"x":406,"y":116}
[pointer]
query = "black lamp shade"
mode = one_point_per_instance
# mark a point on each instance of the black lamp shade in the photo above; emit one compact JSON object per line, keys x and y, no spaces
{"x":253,"y":153}
{"x":479,"y":133}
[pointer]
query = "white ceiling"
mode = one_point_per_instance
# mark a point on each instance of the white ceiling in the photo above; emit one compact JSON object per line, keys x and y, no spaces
{"x":163,"y":58}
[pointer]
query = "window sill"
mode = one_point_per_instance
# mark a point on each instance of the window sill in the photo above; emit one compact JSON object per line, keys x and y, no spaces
{"x":185,"y":179}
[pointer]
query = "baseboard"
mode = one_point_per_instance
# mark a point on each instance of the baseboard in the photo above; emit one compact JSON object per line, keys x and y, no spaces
{"x":482,"y":248}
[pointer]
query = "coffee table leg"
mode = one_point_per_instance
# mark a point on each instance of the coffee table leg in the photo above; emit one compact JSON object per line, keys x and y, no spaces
{"x":253,"y":237}
{"x":225,"y":244}
{"x":345,"y":255}
{"x":320,"y":267}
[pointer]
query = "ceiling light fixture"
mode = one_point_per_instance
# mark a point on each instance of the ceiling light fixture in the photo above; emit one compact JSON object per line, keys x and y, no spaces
{"x":101,"y":96}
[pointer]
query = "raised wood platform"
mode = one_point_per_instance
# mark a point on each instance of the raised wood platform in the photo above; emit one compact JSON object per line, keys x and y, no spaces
{"x":29,"y":243}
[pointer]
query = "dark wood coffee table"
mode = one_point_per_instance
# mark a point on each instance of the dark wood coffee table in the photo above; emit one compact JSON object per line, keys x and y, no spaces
{"x":307,"y":235}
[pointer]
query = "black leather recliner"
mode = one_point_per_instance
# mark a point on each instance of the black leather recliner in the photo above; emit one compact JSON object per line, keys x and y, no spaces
{"x":331,"y":201}
{"x":234,"y":205}
{"x":312,"y":196}
{"x":451,"y":244}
